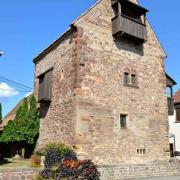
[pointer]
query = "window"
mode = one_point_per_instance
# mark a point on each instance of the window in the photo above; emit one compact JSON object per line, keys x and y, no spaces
{"x":141,"y":151}
{"x":126,"y":78}
{"x":62,"y":74}
{"x":133,"y":79}
{"x":144,"y":151}
{"x":178,"y":115}
{"x":130,"y":79}
{"x":45,"y":86}
{"x":123,"y":119}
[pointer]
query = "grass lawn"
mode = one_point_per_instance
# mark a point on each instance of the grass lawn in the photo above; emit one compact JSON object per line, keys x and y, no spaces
{"x":17,"y":163}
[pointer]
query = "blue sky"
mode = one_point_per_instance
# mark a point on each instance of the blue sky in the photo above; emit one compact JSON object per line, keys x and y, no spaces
{"x":27,"y":27}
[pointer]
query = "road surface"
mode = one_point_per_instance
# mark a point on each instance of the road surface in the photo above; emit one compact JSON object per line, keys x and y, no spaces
{"x":160,"y":178}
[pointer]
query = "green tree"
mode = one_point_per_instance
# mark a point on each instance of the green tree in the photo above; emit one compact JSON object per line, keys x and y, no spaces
{"x":25,"y":127}
{"x":0,"y":113}
{"x":9,"y":132}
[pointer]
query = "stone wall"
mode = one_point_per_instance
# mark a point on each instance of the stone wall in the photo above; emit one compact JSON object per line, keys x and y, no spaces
{"x":58,"y":123}
{"x":18,"y":174}
{"x":109,"y":172}
{"x":102,"y":95}
{"x":139,"y":171}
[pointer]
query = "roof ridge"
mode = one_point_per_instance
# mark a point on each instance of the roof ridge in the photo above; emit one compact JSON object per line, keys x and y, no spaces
{"x":38,"y":56}
{"x":83,"y":14}
{"x":70,"y":30}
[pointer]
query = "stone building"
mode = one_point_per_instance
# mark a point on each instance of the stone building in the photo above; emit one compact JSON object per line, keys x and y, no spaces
{"x":101,"y":87}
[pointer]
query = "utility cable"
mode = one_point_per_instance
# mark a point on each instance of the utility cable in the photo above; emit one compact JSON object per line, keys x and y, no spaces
{"x":15,"y":90}
{"x":16,"y":83}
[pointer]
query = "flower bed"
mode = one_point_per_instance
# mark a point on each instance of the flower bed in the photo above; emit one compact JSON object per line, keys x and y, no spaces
{"x":61,"y":163}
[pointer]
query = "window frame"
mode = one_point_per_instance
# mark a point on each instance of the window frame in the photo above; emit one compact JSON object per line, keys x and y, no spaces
{"x":128,"y":79}
{"x":133,"y":82}
{"x":124,"y":124}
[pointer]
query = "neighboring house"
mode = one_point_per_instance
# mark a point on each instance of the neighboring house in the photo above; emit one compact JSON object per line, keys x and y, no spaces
{"x":11,"y":115}
{"x":174,"y":127}
{"x":169,"y":92}
{"x":101,"y":87}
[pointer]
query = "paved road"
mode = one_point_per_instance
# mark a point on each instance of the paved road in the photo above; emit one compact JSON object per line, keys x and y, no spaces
{"x":161,"y":178}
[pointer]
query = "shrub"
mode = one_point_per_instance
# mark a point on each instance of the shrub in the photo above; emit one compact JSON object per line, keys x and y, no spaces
{"x":35,"y":160}
{"x":88,"y":170}
{"x":52,"y":158}
{"x":60,"y":148}
{"x":55,"y":153}
{"x":40,"y":152}
{"x":61,"y":163}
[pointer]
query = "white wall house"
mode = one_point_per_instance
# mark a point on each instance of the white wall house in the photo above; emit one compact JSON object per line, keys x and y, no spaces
{"x":174,"y":127}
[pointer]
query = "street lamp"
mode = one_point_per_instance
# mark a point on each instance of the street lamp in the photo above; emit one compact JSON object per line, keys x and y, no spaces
{"x":1,"y":53}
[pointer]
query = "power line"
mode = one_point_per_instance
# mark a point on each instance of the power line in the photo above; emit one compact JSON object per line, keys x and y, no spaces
{"x":15,"y":90}
{"x":16,"y":83}
{"x":19,"y":84}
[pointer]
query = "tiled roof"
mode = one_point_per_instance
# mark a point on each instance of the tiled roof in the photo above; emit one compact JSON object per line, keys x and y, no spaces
{"x":11,"y":115}
{"x":177,"y":97}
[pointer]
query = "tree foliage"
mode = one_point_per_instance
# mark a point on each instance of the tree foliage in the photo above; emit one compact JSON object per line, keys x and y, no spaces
{"x":25,"y":127}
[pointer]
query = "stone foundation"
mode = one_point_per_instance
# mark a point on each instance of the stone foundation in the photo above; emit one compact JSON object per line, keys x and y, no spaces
{"x":118,"y":172}
{"x":18,"y":174}
{"x":108,"y":172}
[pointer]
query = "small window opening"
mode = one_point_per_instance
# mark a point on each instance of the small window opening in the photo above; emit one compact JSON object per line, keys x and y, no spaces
{"x":126,"y":78}
{"x":123,"y":119}
{"x":62,"y":74}
{"x":141,"y":151}
{"x":116,"y":10}
{"x":137,"y":151}
{"x":131,"y":13}
{"x":133,"y":79}
{"x":144,"y":151}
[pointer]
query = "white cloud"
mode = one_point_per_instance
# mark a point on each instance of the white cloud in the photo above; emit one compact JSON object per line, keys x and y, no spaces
{"x":7,"y":91}
{"x":28,"y":94}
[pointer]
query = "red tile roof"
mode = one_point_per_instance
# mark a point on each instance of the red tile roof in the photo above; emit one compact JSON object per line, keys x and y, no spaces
{"x":12,"y":114}
{"x":177,"y":97}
